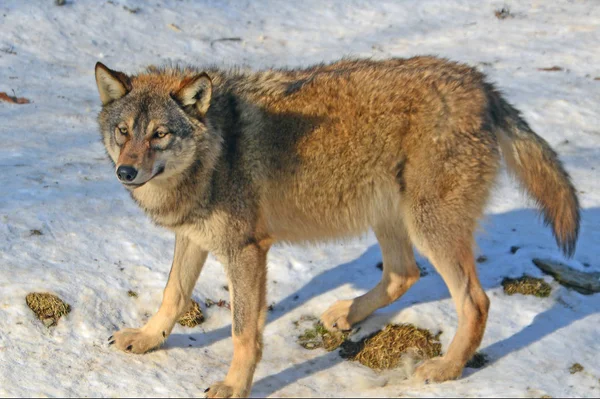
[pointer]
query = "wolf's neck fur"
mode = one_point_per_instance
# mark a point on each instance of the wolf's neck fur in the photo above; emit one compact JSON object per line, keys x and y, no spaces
{"x":172,"y":201}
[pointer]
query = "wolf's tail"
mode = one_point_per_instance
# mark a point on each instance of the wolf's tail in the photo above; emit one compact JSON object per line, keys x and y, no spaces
{"x":530,"y":158}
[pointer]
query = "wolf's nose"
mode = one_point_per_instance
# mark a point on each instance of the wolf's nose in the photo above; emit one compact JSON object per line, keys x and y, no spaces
{"x":126,"y":173}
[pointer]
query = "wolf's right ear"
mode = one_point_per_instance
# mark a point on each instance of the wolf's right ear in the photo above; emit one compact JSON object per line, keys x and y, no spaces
{"x":112,"y":85}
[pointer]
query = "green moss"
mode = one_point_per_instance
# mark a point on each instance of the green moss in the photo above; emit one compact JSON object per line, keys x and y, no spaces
{"x":320,"y":337}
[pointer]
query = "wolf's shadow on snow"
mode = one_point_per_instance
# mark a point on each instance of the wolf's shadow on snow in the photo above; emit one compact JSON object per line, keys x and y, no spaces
{"x":362,"y":274}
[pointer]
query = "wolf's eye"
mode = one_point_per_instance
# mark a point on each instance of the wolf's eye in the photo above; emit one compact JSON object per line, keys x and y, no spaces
{"x":123,"y":130}
{"x":160,"y":135}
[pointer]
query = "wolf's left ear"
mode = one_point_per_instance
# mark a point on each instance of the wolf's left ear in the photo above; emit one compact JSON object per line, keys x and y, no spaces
{"x":195,"y":91}
{"x":112,"y":85}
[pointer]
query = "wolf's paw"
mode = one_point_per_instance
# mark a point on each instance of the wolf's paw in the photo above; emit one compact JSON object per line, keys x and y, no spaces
{"x":135,"y":340}
{"x":222,"y":390}
{"x":438,"y":369}
{"x":337,"y":317}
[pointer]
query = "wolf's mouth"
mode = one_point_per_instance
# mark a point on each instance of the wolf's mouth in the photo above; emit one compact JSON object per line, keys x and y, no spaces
{"x":133,"y":186}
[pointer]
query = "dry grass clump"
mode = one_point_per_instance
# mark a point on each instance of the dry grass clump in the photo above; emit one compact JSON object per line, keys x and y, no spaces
{"x":47,"y":307}
{"x":527,"y":285}
{"x":320,"y":337}
{"x":192,"y":317}
{"x":384,"y":349}
{"x":575,"y":368}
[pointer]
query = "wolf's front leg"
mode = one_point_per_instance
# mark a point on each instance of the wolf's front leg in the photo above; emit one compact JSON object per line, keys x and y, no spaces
{"x":187,"y":264}
{"x":247,"y":272}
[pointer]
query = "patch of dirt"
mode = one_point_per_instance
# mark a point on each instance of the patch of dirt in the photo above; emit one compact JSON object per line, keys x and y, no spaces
{"x":220,"y":303}
{"x":9,"y":50}
{"x":526,"y":285}
{"x":132,"y":10}
{"x":13,"y":99}
{"x":174,"y":27}
{"x":47,"y":307}
{"x":478,"y":360}
{"x":192,"y":317}
{"x":554,"y":68}
{"x":503,"y":13}
{"x":225,"y":39}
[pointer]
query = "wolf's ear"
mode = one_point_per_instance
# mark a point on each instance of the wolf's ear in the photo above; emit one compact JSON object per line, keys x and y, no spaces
{"x":195,"y":91}
{"x":112,"y":85}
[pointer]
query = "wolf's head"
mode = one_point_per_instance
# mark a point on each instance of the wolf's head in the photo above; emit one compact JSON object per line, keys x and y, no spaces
{"x":154,"y":124}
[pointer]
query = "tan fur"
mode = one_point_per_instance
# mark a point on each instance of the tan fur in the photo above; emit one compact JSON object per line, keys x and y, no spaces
{"x":407,"y":147}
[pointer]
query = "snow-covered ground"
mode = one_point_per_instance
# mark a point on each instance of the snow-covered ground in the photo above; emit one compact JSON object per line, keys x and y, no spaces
{"x":97,"y":245}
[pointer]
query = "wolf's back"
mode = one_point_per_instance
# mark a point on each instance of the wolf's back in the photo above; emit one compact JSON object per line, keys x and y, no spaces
{"x":535,"y":164}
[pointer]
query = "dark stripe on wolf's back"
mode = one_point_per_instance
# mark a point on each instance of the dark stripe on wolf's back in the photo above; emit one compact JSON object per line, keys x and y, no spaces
{"x":232,"y":131}
{"x":400,"y":166}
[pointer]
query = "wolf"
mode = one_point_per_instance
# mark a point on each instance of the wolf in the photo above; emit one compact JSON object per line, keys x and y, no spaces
{"x":235,"y":160}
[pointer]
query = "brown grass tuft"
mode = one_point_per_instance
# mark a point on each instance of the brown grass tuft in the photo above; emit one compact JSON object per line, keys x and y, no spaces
{"x":192,"y":317}
{"x":575,"y":368}
{"x":527,"y":285}
{"x":47,"y":307}
{"x":384,"y":349}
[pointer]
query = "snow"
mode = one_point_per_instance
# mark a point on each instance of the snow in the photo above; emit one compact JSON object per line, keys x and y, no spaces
{"x":97,"y":245}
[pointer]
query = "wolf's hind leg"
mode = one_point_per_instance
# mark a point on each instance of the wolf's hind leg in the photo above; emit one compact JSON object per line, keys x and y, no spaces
{"x":187,"y":264}
{"x":400,"y":272}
